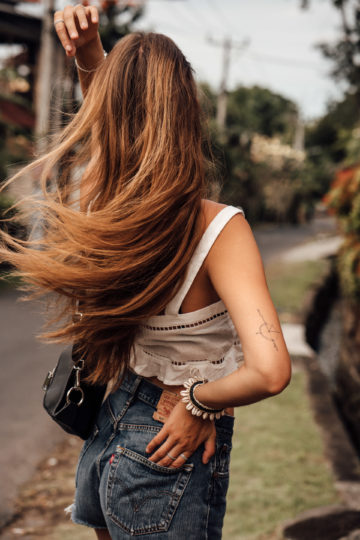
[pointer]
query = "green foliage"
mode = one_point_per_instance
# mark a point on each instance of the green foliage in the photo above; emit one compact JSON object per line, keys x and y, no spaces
{"x":331,"y":134}
{"x":349,"y":268}
{"x":116,"y":20}
{"x":331,"y":141}
{"x":15,"y":141}
{"x":259,"y":110}
{"x":266,"y":192}
{"x":9,"y":223}
{"x":15,"y":147}
{"x":344,"y":54}
{"x":344,"y":200}
{"x":316,"y":175}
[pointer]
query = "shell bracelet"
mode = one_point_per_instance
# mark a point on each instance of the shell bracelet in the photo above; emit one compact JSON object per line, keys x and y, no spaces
{"x":194,"y":405}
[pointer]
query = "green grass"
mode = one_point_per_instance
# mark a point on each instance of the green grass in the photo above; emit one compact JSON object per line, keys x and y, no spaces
{"x":289,"y":285}
{"x":278,"y":467}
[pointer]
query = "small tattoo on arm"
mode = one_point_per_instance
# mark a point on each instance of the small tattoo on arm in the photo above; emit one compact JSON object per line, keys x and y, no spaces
{"x":266,"y":330}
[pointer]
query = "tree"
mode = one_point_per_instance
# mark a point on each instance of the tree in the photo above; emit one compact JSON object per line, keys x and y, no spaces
{"x":338,"y":133}
{"x":116,"y":19}
{"x":259,"y":110}
{"x":345,"y":53}
{"x":267,"y":192}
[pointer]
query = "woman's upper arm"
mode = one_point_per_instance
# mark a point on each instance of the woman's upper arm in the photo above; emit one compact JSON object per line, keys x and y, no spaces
{"x":236,"y":271}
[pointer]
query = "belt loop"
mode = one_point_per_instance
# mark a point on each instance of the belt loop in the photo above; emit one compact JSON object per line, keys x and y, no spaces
{"x":133,"y":384}
{"x":132,"y":388}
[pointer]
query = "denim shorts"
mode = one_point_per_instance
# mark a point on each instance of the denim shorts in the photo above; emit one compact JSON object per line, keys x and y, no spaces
{"x":119,"y":489}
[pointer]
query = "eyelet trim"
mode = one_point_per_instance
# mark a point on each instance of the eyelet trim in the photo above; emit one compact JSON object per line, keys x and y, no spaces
{"x":181,"y":326}
{"x":177,"y":363}
{"x":154,"y":355}
{"x":216,"y":362}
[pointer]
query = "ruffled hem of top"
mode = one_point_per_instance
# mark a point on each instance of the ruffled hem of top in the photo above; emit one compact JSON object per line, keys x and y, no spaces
{"x":172,"y":374}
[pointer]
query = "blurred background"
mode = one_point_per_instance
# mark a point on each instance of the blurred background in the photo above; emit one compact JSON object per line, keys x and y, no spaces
{"x":280,"y":83}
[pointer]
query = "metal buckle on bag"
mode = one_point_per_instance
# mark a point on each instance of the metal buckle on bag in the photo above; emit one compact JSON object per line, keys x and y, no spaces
{"x":77,"y":317}
{"x":75,"y":394}
{"x":48,"y":380}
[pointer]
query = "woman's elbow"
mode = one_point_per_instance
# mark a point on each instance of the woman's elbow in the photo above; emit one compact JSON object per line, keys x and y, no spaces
{"x":279,"y":380}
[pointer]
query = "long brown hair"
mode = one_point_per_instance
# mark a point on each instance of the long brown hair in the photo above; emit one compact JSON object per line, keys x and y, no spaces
{"x":136,"y":148}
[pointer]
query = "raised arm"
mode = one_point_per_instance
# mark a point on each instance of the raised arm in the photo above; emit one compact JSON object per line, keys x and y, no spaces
{"x":77,"y":29}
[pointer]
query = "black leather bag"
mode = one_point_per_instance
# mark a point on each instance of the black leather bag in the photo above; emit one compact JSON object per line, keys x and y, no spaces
{"x":72,"y":403}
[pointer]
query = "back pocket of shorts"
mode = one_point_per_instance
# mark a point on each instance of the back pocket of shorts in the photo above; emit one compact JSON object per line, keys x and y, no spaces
{"x":142,"y":496}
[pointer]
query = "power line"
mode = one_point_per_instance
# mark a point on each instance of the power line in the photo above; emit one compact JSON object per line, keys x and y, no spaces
{"x":212,"y":22}
{"x":226,"y":22}
{"x":185,"y":14}
{"x":290,"y":62}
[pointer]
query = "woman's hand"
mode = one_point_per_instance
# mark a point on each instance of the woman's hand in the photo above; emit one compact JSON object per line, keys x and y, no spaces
{"x":80,"y":26}
{"x":182,"y":433}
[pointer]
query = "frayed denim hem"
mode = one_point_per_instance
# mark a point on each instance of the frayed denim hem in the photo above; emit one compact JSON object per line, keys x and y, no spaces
{"x":71,"y":509}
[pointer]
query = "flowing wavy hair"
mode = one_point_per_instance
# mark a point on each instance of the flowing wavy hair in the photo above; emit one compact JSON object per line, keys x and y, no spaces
{"x":120,"y":206}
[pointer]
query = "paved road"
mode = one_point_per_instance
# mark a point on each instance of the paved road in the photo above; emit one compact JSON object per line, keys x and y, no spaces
{"x":274,"y":240}
{"x":26,"y":433}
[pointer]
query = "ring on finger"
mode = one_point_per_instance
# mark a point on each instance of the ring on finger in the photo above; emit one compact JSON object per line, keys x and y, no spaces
{"x":171,"y":457}
{"x":59,"y":20}
{"x":183,"y":456}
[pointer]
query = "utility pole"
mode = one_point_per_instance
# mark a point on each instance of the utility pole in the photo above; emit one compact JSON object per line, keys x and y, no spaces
{"x":222,"y":96}
{"x":44,"y":76}
{"x":227,"y":45}
{"x":299,"y":135}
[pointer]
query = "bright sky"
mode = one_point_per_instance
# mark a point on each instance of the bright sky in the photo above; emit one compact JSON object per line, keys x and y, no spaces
{"x":280,"y":55}
{"x":281,"y":52}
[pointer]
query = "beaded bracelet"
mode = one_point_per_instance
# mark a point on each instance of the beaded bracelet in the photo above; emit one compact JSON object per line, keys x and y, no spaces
{"x":194,"y":405}
{"x":87,"y":70}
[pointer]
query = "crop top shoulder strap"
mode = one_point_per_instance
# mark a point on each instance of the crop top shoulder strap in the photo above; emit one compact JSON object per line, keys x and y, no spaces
{"x":199,"y":255}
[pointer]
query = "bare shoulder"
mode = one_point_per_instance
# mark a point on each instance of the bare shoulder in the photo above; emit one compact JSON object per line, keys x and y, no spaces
{"x":236,"y":226}
{"x":210,"y":209}
{"x":235,"y":244}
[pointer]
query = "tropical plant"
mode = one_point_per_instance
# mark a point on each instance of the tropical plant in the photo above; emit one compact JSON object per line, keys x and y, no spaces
{"x":344,"y":200}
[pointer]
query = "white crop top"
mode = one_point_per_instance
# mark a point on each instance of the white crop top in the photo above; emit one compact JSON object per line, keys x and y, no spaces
{"x":176,"y":346}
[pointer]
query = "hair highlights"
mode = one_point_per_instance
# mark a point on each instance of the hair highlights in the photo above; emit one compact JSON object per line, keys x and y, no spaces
{"x":132,"y":158}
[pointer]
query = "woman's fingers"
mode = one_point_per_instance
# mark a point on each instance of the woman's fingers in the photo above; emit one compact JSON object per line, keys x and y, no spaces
{"x":162,"y":451}
{"x":69,"y":18}
{"x":210,"y":447}
{"x":79,"y":26}
{"x":169,"y":455}
{"x":61,"y":31}
{"x":80,"y":12}
{"x":94,"y":14}
{"x":158,"y":439}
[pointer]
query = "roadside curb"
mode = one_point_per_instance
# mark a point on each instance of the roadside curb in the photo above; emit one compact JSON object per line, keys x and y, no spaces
{"x":335,"y":522}
{"x":338,"y":446}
